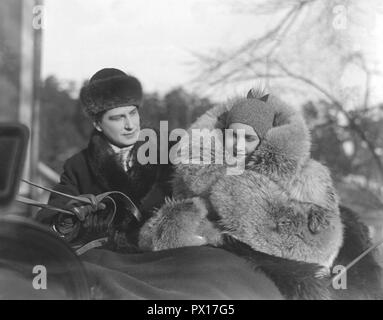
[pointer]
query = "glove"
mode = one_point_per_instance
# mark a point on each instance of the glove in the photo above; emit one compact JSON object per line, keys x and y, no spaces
{"x":81,"y":210}
{"x":69,"y":226}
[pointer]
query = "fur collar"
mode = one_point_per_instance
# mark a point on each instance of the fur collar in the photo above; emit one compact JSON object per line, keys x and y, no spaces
{"x":109,"y":173}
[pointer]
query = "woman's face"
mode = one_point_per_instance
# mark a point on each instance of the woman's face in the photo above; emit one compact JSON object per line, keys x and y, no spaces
{"x":121,"y":126}
{"x":251,"y":138}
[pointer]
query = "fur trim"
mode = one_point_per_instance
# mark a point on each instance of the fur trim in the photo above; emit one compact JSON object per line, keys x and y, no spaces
{"x":286,"y":146}
{"x":110,"y":174}
{"x":196,"y":179}
{"x":178,"y":224}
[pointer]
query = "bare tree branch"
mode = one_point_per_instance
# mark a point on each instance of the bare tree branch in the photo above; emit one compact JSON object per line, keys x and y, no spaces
{"x":275,"y":34}
{"x":352,"y":121}
{"x":260,"y":58}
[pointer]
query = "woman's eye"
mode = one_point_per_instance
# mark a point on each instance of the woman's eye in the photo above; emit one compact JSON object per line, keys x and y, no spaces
{"x":251,"y":138}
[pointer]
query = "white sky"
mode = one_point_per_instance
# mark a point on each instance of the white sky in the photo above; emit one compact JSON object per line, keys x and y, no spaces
{"x":151,"y":39}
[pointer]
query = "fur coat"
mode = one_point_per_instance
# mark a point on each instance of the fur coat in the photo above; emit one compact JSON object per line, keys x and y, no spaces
{"x":281,"y":214}
{"x":283,"y":204}
{"x":300,"y":280}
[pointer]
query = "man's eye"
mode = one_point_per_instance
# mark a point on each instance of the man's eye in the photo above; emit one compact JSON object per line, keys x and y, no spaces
{"x":133,"y":112}
{"x":116,"y":118}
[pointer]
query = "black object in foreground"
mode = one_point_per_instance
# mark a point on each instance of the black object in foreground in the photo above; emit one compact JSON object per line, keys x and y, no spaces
{"x":25,"y":246}
{"x":13,"y":145}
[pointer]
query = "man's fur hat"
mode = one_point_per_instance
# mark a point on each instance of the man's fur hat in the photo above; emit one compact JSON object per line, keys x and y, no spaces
{"x":110,"y":88}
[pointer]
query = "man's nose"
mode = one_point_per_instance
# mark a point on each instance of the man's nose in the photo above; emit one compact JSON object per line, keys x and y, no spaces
{"x":128,"y":124}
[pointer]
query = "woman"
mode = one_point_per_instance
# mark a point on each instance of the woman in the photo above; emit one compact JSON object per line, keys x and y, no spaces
{"x":282,"y":213}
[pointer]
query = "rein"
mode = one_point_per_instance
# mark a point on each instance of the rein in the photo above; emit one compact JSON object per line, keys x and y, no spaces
{"x":115,"y":198}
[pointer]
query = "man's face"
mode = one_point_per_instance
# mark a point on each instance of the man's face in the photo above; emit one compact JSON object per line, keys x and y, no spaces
{"x":121,"y":126}
{"x":251,"y":138}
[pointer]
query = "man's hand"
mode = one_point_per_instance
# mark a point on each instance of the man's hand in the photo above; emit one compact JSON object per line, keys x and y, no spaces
{"x":82,"y":210}
{"x":85,"y":214}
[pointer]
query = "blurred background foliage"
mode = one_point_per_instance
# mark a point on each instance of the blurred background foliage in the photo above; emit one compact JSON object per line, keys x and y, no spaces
{"x":65,"y":130}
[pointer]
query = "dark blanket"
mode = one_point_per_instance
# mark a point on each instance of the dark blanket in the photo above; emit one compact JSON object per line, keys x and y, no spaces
{"x":184,"y":273}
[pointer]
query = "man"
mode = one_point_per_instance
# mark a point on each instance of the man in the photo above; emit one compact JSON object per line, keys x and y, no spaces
{"x":111,"y":100}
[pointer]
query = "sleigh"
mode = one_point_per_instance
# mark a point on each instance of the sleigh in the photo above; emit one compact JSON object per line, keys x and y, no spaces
{"x":27,"y":248}
{"x":89,"y":273}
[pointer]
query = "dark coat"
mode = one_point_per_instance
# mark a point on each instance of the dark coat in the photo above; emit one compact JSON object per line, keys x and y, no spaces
{"x":96,"y":170}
